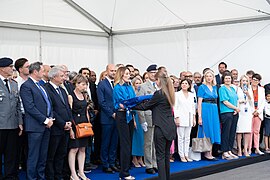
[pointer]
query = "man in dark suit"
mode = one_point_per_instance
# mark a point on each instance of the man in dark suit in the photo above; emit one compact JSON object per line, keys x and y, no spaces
{"x":58,"y":145}
{"x":37,"y":121}
{"x":67,"y":86}
{"x":221,"y":68}
{"x":109,"y":133}
{"x":10,"y":120}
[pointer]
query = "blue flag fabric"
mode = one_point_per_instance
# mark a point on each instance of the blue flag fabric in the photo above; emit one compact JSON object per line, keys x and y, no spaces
{"x":129,"y":103}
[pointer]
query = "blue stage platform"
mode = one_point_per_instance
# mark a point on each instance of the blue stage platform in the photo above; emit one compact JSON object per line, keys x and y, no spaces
{"x":202,"y":167}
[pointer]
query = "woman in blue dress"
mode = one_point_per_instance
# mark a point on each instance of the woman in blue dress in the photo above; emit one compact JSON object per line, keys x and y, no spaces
{"x":208,"y":111}
{"x":138,"y":137}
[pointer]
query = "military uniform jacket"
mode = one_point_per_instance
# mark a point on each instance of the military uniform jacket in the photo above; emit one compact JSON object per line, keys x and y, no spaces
{"x":10,"y":106}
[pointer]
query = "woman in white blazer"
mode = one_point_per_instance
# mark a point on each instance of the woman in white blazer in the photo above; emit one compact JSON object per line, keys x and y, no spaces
{"x":184,"y":113}
{"x":259,"y":103}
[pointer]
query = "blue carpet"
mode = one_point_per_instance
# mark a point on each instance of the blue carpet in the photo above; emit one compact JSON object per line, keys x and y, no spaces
{"x":140,"y":174}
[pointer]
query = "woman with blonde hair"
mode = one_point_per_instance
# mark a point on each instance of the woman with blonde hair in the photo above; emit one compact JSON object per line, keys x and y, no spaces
{"x":161,"y":105}
{"x":208,"y":111}
{"x":246,"y":106}
{"x":102,"y":75}
{"x":124,"y":119}
{"x":138,"y":136}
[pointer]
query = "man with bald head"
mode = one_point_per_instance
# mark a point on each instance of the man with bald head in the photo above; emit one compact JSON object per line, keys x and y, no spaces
{"x":109,"y":135}
{"x":45,"y":77}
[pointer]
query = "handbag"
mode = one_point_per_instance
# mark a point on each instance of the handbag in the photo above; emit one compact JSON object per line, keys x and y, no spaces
{"x":196,"y":156}
{"x":83,"y":130}
{"x":201,"y":144}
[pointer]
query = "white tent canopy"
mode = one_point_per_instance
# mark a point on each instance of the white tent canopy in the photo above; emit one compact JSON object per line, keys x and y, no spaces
{"x":179,"y":34}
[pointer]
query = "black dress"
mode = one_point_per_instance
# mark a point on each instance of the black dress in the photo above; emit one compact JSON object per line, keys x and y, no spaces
{"x":79,"y":116}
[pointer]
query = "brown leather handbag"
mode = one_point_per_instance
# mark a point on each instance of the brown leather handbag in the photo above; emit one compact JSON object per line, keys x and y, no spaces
{"x":84,"y":130}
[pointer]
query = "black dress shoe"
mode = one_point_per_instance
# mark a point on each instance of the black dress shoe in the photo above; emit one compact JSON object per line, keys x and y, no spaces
{"x":114,"y":168}
{"x":150,"y":171}
{"x":210,"y":159}
{"x":91,"y":166}
{"x":155,"y":169}
{"x":86,"y":169}
{"x":108,"y":170}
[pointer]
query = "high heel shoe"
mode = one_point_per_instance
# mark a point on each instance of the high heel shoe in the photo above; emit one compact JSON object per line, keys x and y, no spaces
{"x":141,"y":163}
{"x":209,"y":158}
{"x":183,"y":159}
{"x":233,"y":156}
{"x":259,"y":152}
{"x":127,"y":178}
{"x":267,"y":151}
{"x":246,"y":153}
{"x":137,"y":165}
{"x":72,"y":178}
{"x":83,"y":177}
{"x":226,"y":156}
{"x":188,"y":159}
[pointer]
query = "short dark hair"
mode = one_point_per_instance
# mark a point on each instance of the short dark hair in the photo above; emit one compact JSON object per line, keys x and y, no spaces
{"x":19,"y":63}
{"x":129,"y":65}
{"x":226,"y":73}
{"x":257,"y":76}
{"x":35,"y":66}
{"x":251,"y":72}
{"x":222,"y":63}
{"x":84,"y":68}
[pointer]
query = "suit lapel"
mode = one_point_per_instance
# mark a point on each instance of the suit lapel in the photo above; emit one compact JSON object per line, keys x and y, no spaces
{"x":150,"y":86}
{"x":108,"y":84}
{"x":13,"y":87}
{"x":55,"y":92}
{"x":3,"y":85}
{"x":35,"y":88}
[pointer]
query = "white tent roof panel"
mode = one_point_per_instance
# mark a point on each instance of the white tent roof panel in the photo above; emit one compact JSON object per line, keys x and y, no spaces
{"x":54,"y":13}
{"x":143,"y":14}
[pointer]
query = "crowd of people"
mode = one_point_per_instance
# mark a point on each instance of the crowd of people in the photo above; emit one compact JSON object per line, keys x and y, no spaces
{"x":40,"y":105}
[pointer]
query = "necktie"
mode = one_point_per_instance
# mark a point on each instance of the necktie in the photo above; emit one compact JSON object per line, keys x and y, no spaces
{"x":154,"y":85}
{"x":112,"y":83}
{"x":46,"y":99}
{"x":6,"y":84}
{"x":60,"y":94}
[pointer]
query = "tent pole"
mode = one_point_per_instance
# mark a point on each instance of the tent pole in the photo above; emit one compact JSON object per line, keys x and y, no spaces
{"x":195,"y":25}
{"x":188,"y":49}
{"x":51,"y":29}
{"x":110,"y":49}
{"x":40,"y":46}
